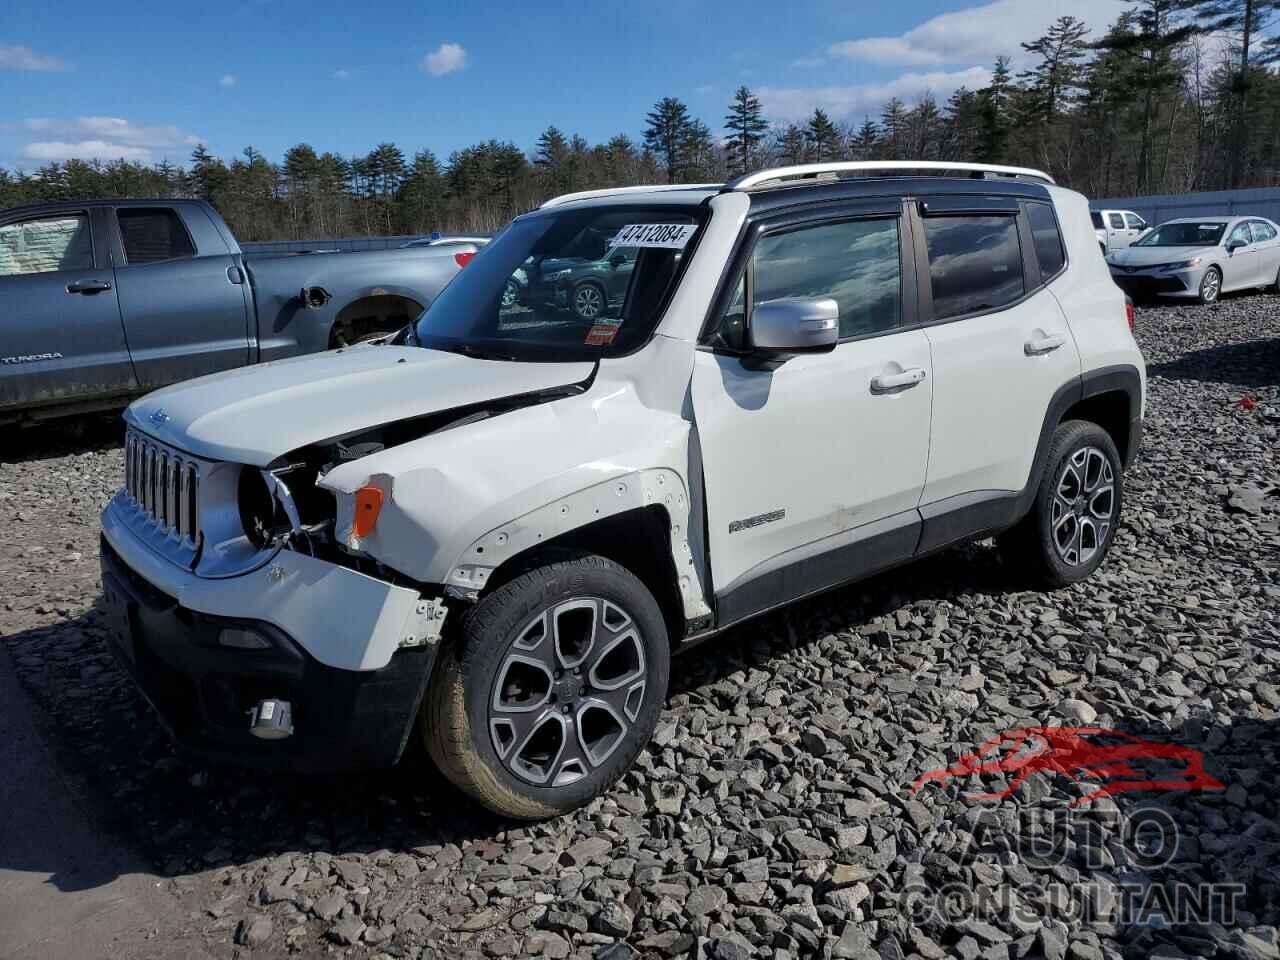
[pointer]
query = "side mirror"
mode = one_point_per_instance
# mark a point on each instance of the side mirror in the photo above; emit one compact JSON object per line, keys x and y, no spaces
{"x":782,"y":329}
{"x":1234,"y":245}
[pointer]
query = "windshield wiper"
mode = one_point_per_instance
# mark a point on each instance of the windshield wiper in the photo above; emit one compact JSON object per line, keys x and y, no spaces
{"x":476,"y":353}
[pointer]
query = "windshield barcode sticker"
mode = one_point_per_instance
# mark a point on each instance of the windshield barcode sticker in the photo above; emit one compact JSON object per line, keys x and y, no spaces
{"x":660,"y":236}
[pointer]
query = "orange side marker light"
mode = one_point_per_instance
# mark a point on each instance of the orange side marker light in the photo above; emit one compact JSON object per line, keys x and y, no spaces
{"x":368,"y":506}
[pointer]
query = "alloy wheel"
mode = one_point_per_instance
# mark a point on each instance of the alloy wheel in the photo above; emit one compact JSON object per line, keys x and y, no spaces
{"x":587,"y":301}
{"x":1084,"y":502}
{"x":569,"y":688}
{"x":1211,"y":286}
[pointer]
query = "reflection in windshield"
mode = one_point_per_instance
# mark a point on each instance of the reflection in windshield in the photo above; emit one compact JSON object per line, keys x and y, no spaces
{"x":1184,"y":235}
{"x":565,"y":285}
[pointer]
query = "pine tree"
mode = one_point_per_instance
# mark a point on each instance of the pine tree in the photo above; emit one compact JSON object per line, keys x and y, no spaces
{"x":822,"y":137}
{"x":1056,"y":74}
{"x":893,"y":121}
{"x":792,"y":146}
{"x":866,"y":142}
{"x":746,"y":127}
{"x":667,"y":134}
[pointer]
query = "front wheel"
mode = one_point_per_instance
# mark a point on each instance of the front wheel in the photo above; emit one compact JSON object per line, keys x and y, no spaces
{"x":1073,"y":519}
{"x":551,"y":688}
{"x":588,"y":301}
{"x":1211,"y":285}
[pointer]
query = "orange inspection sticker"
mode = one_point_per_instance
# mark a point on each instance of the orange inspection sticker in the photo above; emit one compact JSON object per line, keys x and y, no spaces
{"x":602,"y":334}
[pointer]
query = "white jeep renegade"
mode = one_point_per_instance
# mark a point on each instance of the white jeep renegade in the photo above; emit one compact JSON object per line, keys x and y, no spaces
{"x":494,"y":531}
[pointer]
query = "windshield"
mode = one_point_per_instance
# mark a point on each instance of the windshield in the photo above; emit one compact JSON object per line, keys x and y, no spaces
{"x":571,"y":285}
{"x":1097,"y":219}
{"x":1184,"y":235}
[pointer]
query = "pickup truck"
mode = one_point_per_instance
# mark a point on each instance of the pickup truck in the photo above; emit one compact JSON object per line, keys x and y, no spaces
{"x":1117,"y":229}
{"x":104,"y":301}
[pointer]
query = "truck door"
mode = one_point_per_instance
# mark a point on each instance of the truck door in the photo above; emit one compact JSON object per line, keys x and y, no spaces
{"x":181,"y":294}
{"x":1120,"y":234}
{"x":60,"y":332}
{"x":813,"y":470}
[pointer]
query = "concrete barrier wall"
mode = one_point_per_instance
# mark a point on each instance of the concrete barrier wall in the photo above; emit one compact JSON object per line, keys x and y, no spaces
{"x":1261,"y":202}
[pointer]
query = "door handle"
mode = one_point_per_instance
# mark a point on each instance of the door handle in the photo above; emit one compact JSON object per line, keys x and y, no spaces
{"x":88,"y":286}
{"x":889,"y":382}
{"x":1042,"y":345}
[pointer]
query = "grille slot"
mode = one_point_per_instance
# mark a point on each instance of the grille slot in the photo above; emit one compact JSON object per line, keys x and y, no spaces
{"x":164,"y":486}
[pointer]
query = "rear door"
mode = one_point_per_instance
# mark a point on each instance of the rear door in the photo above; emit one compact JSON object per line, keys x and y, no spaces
{"x":1267,"y":245}
{"x":1001,"y":344}
{"x":813,"y":470}
{"x":181,"y":294}
{"x":60,"y":333}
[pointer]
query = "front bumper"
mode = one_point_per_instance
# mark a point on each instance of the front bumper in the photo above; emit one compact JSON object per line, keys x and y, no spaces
{"x":203,"y":692}
{"x":1144,"y":285}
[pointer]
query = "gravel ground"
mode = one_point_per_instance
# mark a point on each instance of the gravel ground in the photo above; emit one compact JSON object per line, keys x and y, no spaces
{"x":774,"y":815}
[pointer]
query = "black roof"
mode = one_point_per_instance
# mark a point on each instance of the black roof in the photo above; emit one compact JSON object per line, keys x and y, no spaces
{"x":789,"y":193}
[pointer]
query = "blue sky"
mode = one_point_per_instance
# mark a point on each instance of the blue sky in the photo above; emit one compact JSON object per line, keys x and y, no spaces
{"x":148,"y":79}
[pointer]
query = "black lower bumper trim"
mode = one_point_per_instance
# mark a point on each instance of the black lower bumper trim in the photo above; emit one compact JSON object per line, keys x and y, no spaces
{"x":202,"y":691}
{"x":1149,"y":286}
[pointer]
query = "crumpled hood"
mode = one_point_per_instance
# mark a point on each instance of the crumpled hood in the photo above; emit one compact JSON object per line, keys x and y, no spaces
{"x":255,"y":414}
{"x":1150,"y":256}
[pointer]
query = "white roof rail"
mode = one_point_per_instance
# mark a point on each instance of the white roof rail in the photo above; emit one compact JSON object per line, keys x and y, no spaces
{"x":612,"y":191}
{"x":763,"y":177}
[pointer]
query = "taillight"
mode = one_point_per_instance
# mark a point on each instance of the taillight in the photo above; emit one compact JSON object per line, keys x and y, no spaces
{"x":1128,"y":312}
{"x":462,"y":259}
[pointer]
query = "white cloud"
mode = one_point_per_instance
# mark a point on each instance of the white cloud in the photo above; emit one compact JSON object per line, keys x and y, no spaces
{"x":446,"y":58}
{"x":103,"y":138}
{"x":809,"y":62}
{"x":27,"y":60}
{"x":228,"y":80}
{"x":978,"y":34}
{"x":59,"y":150}
{"x":789,"y":104}
{"x":342,"y":74}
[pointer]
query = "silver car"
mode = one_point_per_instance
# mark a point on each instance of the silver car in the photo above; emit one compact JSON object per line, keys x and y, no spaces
{"x":1200,"y":258}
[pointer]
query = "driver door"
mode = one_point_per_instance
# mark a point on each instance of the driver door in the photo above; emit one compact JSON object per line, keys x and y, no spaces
{"x":1240,"y":266}
{"x":812,"y":472}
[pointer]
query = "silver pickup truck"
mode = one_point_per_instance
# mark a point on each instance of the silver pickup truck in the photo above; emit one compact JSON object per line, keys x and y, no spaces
{"x":103,"y":301}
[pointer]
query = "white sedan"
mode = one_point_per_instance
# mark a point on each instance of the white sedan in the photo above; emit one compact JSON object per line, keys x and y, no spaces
{"x":1200,"y":258}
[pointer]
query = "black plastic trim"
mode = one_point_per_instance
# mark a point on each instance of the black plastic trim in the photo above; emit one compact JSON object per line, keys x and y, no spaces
{"x":966,"y":516}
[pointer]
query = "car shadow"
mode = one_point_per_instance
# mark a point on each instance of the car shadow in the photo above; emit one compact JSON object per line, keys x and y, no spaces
{"x":89,"y":433}
{"x":185,"y":815}
{"x":1255,"y":363}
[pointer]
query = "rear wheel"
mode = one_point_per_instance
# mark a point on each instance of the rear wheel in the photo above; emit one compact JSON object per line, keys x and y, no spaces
{"x":588,"y":301}
{"x":1211,"y":285}
{"x":1073,"y":520}
{"x":550,"y":690}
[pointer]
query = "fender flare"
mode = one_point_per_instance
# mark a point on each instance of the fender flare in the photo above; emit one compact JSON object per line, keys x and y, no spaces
{"x":1123,"y":377}
{"x":659,"y":486}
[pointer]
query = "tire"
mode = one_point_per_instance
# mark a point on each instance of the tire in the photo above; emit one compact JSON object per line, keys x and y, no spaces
{"x":1210,"y":286}
{"x":1073,"y":519}
{"x":589,"y":301}
{"x":1275,"y":287}
{"x":504,"y":728}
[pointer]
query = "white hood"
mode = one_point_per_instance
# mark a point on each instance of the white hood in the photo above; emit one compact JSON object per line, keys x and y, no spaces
{"x":255,"y":414}
{"x":1136,"y":256}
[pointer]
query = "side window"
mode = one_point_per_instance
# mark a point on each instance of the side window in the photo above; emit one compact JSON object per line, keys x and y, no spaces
{"x":1116,"y":220}
{"x":975,"y":263}
{"x":152,"y":235}
{"x":857,"y":263}
{"x":1240,"y":235}
{"x":1134,"y":221}
{"x":1263,"y":231}
{"x":46,"y":245}
{"x":1047,"y":238}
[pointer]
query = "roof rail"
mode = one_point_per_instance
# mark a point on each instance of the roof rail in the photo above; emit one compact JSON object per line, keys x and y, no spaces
{"x":612,"y":191}
{"x":778,"y":174}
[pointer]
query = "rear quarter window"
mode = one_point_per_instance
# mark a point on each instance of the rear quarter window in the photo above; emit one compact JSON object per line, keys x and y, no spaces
{"x":1047,"y":238}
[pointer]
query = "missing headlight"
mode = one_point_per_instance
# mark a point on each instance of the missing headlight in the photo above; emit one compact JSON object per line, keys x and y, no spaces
{"x":261,"y":516}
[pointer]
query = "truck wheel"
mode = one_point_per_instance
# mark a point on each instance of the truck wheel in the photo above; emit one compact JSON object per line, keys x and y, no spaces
{"x":1074,"y":517}
{"x":550,"y":689}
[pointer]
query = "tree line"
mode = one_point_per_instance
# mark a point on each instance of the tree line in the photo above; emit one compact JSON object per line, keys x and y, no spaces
{"x":1175,"y":96}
